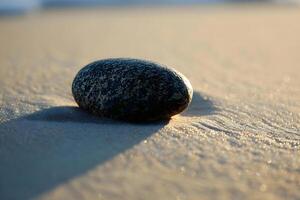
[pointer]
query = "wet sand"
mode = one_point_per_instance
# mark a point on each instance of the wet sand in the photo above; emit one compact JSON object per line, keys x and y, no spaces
{"x":240,"y":138}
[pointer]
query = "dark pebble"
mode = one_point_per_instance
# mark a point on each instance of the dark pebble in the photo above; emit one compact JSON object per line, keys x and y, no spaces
{"x":131,"y":89}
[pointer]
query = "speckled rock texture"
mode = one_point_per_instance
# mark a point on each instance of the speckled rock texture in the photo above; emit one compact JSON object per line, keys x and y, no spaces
{"x":131,"y":89}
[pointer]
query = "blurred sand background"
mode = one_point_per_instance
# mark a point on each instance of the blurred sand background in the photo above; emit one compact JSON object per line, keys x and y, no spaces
{"x":240,"y":138}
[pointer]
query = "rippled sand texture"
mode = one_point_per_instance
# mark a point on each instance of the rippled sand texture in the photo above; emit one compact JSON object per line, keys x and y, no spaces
{"x":240,"y":139}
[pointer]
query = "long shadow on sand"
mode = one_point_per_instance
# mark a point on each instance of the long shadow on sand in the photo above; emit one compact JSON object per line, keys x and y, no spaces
{"x":49,"y":147}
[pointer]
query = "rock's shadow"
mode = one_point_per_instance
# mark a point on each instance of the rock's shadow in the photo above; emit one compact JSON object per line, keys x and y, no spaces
{"x":200,"y":106}
{"x":69,"y":114}
{"x":47,"y":148}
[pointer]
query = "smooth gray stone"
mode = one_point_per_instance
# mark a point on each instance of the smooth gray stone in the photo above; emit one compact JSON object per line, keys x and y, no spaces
{"x":131,"y":89}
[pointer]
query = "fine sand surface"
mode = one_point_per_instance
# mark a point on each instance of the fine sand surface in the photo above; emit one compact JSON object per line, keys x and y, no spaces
{"x":240,"y":138}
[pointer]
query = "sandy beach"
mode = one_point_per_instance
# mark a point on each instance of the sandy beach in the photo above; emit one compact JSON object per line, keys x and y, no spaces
{"x":239,"y":139}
